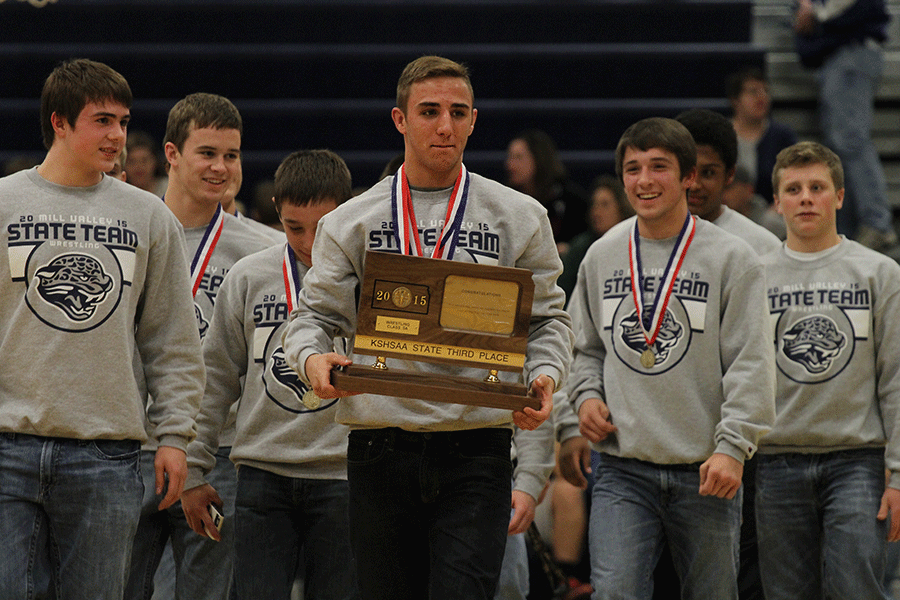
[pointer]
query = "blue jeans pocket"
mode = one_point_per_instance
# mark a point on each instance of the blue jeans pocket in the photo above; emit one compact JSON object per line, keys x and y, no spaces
{"x":116,"y":449}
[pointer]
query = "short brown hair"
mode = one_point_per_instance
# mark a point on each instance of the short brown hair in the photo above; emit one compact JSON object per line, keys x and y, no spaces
{"x":803,"y":154}
{"x":429,"y":67}
{"x":72,"y":85}
{"x":312,"y":176}
{"x":200,"y":111}
{"x":659,"y":132}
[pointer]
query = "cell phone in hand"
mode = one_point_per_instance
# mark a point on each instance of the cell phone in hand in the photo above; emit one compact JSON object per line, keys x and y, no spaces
{"x":217,"y":520}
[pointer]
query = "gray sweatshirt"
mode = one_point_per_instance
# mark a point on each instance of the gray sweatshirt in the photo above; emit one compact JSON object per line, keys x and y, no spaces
{"x":760,"y":239}
{"x":835,"y":317}
{"x":94,"y":275}
{"x":500,"y":227}
{"x":236,"y":241}
{"x":711,"y":389}
{"x":276,"y":432}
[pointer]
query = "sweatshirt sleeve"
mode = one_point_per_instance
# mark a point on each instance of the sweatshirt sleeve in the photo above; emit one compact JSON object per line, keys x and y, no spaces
{"x":550,"y":335}
{"x":534,"y":459}
{"x":167,"y":338}
{"x":327,"y":305}
{"x":748,"y":362}
{"x":887,"y":364}
{"x":225,"y":355}
{"x":589,"y":353}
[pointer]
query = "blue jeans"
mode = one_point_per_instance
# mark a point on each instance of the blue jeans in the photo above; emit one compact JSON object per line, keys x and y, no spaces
{"x":636,"y":507}
{"x":68,"y":512}
{"x":276,"y":518}
{"x":429,"y":512}
{"x":848,"y":81}
{"x":818,"y":535}
{"x":202,"y":566}
{"x":514,"y":583}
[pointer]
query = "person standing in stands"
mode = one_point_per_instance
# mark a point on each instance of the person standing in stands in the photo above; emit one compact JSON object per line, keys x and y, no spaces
{"x":843,"y":41}
{"x":760,"y":137}
{"x":533,"y":167}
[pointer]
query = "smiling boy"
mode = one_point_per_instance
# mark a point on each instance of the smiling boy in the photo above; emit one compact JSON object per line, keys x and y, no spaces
{"x":94,"y":273}
{"x":672,"y":377}
{"x":823,"y":510}
{"x":430,"y":481}
{"x":203,"y":148}
{"x":717,"y":150}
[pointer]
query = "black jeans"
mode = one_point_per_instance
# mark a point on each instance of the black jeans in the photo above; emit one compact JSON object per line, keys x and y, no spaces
{"x":429,"y":512}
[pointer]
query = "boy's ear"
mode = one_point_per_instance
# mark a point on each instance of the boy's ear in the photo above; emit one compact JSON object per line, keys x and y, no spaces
{"x":58,"y":122}
{"x":171,"y":152}
{"x":840,"y":198}
{"x":688,"y":180}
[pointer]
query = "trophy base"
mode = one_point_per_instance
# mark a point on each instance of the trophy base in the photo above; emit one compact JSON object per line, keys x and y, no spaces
{"x":438,"y":388}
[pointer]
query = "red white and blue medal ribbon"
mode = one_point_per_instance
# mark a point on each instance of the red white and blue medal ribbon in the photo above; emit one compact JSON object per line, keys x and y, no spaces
{"x":291,"y":277}
{"x":292,"y":291}
{"x":206,"y":248}
{"x":406,"y":229}
{"x":652,"y":321}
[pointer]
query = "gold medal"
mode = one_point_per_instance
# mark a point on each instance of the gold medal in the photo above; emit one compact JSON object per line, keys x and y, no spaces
{"x":648,"y":359}
{"x":311,"y":401}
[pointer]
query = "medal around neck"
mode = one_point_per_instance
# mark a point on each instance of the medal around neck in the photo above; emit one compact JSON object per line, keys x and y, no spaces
{"x":442,"y":312}
{"x":650,"y":318}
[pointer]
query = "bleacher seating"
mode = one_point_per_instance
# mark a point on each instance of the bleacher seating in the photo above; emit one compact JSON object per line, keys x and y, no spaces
{"x":795,"y":92}
{"x":321,"y":73}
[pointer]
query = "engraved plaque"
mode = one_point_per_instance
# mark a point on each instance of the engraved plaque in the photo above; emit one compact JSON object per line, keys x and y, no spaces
{"x":447,"y":312}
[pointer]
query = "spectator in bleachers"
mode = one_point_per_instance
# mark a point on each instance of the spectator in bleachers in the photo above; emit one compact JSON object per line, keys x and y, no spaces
{"x":118,"y":170}
{"x":608,"y":206}
{"x":533,"y":167}
{"x":143,"y":163}
{"x":760,"y":138}
{"x":19,"y":163}
{"x":843,"y":41}
{"x":740,"y":196}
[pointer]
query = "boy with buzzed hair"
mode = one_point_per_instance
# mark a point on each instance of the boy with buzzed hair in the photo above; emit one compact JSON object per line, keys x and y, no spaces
{"x":94,"y":274}
{"x":672,"y":377}
{"x":291,"y":506}
{"x":823,"y":510}
{"x":203,"y":149}
{"x":717,"y":150}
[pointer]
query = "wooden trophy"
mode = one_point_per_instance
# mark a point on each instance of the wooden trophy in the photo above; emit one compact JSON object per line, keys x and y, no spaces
{"x":447,"y":312}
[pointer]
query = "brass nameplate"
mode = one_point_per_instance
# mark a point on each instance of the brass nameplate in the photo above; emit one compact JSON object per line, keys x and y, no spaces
{"x":479,"y":305}
{"x":380,"y":346}
{"x":396,"y":325}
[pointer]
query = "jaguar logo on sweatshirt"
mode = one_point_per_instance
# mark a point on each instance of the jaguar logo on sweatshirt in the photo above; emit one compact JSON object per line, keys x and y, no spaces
{"x":75,"y":284}
{"x":75,"y":268}
{"x":814,"y":342}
